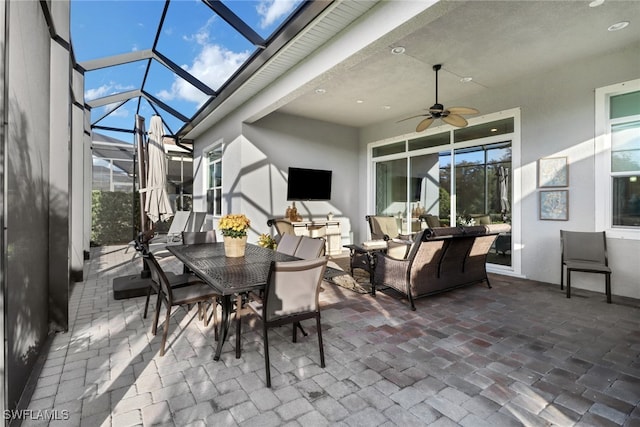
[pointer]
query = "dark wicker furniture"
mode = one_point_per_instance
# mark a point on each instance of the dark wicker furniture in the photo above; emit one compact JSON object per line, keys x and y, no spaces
{"x":439,"y":260}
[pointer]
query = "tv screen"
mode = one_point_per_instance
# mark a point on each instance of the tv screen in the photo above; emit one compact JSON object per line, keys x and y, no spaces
{"x":309,"y":184}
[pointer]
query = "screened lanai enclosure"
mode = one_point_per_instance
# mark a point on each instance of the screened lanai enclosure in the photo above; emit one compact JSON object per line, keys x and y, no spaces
{"x":115,"y":201}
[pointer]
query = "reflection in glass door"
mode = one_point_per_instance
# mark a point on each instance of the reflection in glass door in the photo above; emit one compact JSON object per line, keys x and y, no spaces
{"x":391,"y":188}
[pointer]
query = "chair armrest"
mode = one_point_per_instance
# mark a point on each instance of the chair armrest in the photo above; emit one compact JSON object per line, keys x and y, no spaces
{"x":391,"y":272}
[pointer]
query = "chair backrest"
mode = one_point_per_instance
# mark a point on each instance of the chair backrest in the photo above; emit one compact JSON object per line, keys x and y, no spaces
{"x":382,"y":226}
{"x":195,"y":221}
{"x":584,"y":246}
{"x":159,"y":277}
{"x":481,"y":219}
{"x":198,"y":237}
{"x":310,"y":248}
{"x":288,"y":244}
{"x":179,"y":222}
{"x":293,"y":288}
{"x":431,"y":220}
{"x":283,"y":226}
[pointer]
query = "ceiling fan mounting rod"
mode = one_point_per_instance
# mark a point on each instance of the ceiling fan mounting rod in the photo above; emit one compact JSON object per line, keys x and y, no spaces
{"x":436,"y":68}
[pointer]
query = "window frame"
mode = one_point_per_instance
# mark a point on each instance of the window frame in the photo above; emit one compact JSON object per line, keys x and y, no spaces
{"x":214,"y":147}
{"x":516,"y":172}
{"x":602,"y":162}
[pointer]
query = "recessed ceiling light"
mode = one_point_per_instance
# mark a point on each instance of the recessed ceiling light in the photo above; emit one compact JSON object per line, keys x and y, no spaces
{"x":359,"y":101}
{"x":386,"y":107}
{"x":466,"y":79}
{"x":618,"y":26}
{"x":320,"y":91}
{"x":596,"y":3}
{"x":398,"y":50}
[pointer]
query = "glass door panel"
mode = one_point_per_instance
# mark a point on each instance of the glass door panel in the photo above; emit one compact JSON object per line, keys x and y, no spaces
{"x":391,"y":188}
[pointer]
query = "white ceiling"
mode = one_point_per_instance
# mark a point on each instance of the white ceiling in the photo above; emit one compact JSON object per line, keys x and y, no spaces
{"x":492,"y":41}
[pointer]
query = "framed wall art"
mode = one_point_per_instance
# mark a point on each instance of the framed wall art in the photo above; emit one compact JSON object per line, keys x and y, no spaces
{"x":553,"y":172}
{"x":554,"y":205}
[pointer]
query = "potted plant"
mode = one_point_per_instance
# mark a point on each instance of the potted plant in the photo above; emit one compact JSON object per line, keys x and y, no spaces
{"x":234,"y":231}
{"x":267,"y":241}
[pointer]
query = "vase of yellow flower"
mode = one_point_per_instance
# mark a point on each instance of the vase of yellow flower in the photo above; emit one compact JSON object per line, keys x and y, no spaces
{"x":234,"y":231}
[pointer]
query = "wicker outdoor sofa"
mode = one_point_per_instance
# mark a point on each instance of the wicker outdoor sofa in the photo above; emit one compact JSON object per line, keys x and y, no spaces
{"x":439,"y":260}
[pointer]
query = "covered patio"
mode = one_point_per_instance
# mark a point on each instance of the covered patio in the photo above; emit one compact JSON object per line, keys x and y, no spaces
{"x":511,"y":355}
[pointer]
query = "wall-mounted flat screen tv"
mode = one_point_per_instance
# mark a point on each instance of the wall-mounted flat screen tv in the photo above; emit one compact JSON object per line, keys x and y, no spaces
{"x":309,"y":184}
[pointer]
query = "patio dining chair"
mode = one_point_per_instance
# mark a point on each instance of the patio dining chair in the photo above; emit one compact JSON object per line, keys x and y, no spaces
{"x":195,"y":293}
{"x":585,"y":252}
{"x":310,"y":248}
{"x":199,"y":237}
{"x":288,"y":244}
{"x":291,"y":296}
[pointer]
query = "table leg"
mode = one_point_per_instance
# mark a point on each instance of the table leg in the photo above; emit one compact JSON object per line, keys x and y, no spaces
{"x":371,"y":259}
{"x":238,"y":324}
{"x":224,"y":324}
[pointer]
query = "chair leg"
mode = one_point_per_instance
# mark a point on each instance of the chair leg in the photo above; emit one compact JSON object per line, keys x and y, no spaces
{"x":267,"y":368}
{"x":608,"y":287}
{"x":568,"y":283}
{"x":154,"y":328}
{"x":165,"y":332}
{"x":320,"y":340}
{"x":146,"y":304}
{"x":561,"y":276}
{"x":488,"y":283}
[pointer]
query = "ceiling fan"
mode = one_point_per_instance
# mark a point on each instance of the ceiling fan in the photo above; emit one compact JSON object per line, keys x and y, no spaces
{"x":452,"y":116}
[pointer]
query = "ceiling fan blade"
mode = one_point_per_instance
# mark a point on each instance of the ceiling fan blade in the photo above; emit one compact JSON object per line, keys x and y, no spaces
{"x":455,"y":120}
{"x":463,"y":110}
{"x":413,"y":117}
{"x":424,"y":124}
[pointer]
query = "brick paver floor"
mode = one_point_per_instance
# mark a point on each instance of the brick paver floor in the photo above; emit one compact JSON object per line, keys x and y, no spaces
{"x":518,"y":354}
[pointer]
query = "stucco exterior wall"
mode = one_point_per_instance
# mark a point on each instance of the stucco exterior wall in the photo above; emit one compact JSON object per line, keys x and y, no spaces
{"x":557,"y":119}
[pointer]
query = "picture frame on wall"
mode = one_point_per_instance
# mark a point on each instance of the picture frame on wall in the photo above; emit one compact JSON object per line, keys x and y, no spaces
{"x":553,"y":172}
{"x":554,"y":205}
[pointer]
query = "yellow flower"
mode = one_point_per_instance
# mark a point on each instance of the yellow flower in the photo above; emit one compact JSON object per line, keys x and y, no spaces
{"x":234,"y":225}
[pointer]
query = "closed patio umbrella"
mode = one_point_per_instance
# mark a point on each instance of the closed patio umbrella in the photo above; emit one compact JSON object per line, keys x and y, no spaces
{"x":157,"y":205}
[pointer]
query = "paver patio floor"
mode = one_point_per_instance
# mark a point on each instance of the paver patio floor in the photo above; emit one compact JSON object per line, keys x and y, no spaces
{"x":518,"y":354}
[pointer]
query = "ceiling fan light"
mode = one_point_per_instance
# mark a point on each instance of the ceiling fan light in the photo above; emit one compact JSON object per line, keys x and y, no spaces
{"x":618,"y":26}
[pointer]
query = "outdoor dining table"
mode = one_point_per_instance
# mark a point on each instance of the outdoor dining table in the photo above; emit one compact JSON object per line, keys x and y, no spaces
{"x":229,"y":276}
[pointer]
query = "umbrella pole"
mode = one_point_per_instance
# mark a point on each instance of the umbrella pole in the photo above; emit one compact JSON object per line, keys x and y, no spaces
{"x":142,"y":180}
{"x":132,"y":286}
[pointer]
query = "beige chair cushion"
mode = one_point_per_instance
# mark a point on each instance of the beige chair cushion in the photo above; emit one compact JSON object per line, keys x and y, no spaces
{"x":383,"y":225}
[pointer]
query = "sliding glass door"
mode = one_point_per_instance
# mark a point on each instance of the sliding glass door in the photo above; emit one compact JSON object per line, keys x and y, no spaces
{"x":455,"y":179}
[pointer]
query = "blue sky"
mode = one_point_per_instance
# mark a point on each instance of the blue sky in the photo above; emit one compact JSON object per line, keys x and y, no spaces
{"x":192,"y":36}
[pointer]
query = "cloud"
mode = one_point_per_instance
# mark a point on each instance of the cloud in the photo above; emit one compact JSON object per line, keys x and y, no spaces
{"x":272,"y":10}
{"x":98,"y":92}
{"x":213,"y":65}
{"x":120,"y":112}
{"x":104,"y":90}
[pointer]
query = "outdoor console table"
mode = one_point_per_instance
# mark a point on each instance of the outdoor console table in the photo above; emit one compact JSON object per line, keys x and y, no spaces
{"x":232,"y":276}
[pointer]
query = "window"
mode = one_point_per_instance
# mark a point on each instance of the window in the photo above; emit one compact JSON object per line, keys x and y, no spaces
{"x":214,"y":181}
{"x":618,"y":159}
{"x":462,"y":176}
